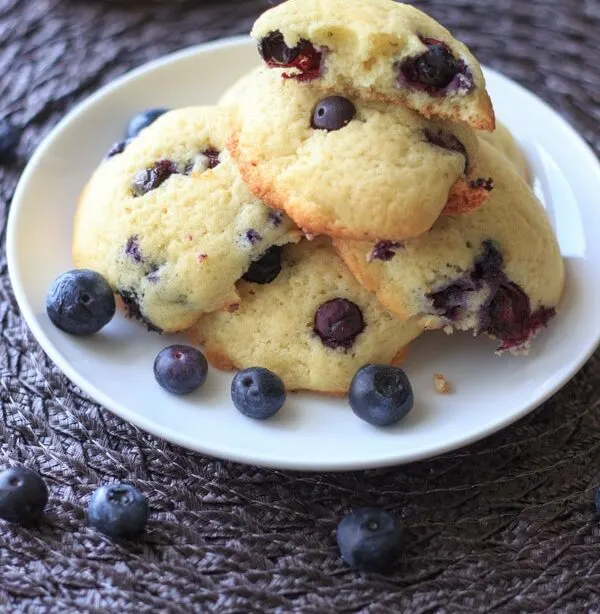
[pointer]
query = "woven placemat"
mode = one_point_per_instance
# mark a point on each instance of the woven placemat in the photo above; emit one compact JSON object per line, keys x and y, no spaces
{"x":506,"y":525}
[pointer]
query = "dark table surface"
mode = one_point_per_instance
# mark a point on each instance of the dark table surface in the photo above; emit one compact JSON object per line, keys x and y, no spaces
{"x":506,"y":525}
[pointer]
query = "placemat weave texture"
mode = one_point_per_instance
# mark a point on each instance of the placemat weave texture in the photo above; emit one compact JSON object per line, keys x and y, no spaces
{"x":506,"y":525}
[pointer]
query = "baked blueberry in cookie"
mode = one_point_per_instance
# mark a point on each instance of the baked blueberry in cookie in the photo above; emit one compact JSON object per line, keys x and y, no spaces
{"x":153,"y":177}
{"x":333,"y":113}
{"x":436,"y":70}
{"x":303,"y":57}
{"x":266,"y":268}
{"x":338,"y":322}
{"x":502,"y":309}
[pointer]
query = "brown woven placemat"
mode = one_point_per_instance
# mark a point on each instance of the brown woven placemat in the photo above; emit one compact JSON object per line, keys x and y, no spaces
{"x":503,"y":526}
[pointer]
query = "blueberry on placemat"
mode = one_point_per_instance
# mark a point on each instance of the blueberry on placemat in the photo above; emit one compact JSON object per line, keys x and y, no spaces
{"x":23,"y":495}
{"x":118,"y":510}
{"x":597,"y":500}
{"x":381,"y":394}
{"x":180,"y":369}
{"x":142,"y":120}
{"x":258,"y":393}
{"x":9,"y":140}
{"x":370,"y":539}
{"x":80,"y":302}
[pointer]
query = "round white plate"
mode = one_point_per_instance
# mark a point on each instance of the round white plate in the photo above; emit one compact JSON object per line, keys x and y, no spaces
{"x":311,"y":432}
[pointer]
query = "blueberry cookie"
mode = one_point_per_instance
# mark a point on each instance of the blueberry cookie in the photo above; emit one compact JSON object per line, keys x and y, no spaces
{"x":502,"y":139}
{"x":169,"y":222}
{"x":381,"y":49}
{"x":496,"y":271}
{"x":233,"y":95}
{"x":350,"y":168}
{"x":313,"y":324}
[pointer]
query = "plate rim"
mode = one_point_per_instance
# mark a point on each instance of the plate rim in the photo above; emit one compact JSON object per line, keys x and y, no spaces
{"x":202,"y":447}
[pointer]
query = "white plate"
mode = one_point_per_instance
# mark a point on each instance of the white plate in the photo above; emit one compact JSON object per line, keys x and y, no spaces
{"x":311,"y":432}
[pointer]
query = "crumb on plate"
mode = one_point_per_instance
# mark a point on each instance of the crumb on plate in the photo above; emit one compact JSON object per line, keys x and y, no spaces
{"x":441,"y":384}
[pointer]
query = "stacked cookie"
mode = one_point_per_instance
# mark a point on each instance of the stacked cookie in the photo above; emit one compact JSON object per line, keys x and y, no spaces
{"x":342,"y":198}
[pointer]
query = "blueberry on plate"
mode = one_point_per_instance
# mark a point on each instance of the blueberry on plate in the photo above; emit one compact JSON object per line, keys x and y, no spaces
{"x":258,"y":393}
{"x":180,"y":369}
{"x":380,"y":394}
{"x":9,"y":140}
{"x":370,"y":539}
{"x":118,"y":510}
{"x":23,"y":496}
{"x":80,"y":302}
{"x":142,"y":120}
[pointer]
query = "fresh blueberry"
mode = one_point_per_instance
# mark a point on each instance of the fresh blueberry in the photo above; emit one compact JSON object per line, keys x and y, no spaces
{"x":370,"y":539}
{"x":9,"y":140}
{"x":266,"y":269}
{"x":153,"y":177}
{"x":258,"y":393}
{"x":142,"y":120}
{"x":380,"y":394}
{"x":118,"y":510}
{"x":437,"y":66}
{"x":333,"y":113}
{"x":180,"y":369}
{"x":23,"y":496}
{"x":597,"y":500}
{"x":338,"y":322}
{"x":80,"y":302}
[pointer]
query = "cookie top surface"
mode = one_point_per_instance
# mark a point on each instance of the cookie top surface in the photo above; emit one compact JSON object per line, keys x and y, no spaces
{"x":497,"y":270}
{"x":313,"y":325}
{"x":170,"y":223}
{"x":382,"y":49}
{"x":503,"y":140}
{"x":347,"y":167}
{"x":233,"y":95}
